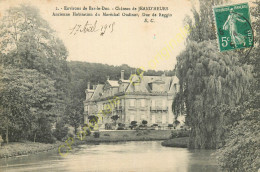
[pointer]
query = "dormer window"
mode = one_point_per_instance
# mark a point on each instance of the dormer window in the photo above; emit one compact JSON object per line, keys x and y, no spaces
{"x":150,"y":85}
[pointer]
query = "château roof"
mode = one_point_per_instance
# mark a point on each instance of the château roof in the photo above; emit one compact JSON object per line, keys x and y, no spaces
{"x":136,"y":85}
{"x":113,"y":83}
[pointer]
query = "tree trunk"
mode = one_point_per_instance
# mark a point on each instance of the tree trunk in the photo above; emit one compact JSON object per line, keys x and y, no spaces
{"x":6,"y":135}
{"x":75,"y":129}
{"x":34,"y":137}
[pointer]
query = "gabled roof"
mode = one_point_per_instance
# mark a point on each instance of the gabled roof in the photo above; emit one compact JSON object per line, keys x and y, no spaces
{"x":89,"y":91}
{"x":136,"y":84}
{"x":98,"y":92}
{"x":175,"y":80}
{"x":135,"y":78}
{"x":113,"y":83}
{"x":123,"y":81}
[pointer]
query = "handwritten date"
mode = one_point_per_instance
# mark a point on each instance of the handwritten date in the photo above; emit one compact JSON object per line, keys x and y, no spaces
{"x":92,"y":27}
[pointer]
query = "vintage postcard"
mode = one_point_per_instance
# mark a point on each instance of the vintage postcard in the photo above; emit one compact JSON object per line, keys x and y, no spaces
{"x":129,"y":85}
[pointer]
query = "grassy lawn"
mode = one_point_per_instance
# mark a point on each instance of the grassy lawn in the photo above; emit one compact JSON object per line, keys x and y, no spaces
{"x":181,"y":142}
{"x":130,"y":135}
{"x":25,"y":148}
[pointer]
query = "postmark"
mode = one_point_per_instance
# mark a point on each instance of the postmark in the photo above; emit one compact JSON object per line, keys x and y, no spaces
{"x":233,"y":26}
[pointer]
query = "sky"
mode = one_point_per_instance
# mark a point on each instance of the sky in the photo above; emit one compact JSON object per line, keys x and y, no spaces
{"x":132,"y":41}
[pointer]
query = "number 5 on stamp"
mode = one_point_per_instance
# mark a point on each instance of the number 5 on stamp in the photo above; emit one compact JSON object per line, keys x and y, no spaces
{"x":233,"y":26}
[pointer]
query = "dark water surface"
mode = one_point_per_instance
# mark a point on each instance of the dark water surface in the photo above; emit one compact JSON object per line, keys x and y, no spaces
{"x":123,"y":156}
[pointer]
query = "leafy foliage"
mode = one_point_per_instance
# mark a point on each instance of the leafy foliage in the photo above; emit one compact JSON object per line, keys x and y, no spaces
{"x":34,"y":65}
{"x":202,"y":22}
{"x":115,"y":118}
{"x":210,"y":84}
{"x":241,"y":151}
{"x":93,"y":119}
{"x":144,"y":122}
{"x":74,"y":113}
{"x":27,"y":99}
{"x":61,"y":130}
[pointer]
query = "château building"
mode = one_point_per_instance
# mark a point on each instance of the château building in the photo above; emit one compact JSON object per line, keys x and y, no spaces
{"x":141,"y":98}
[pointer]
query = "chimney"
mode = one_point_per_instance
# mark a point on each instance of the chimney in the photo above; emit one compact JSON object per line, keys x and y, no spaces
{"x":122,"y":74}
{"x":164,"y":74}
{"x":94,"y":87}
{"x":107,"y":77}
{"x":88,"y":85}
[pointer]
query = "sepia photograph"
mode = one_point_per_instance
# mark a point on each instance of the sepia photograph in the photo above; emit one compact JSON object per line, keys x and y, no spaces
{"x":130,"y":86}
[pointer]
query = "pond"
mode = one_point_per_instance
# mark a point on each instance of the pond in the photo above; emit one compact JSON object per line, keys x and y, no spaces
{"x":121,"y":156}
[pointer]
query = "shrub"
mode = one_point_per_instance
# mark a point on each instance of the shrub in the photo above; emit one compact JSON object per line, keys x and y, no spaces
{"x":144,"y":122}
{"x":96,"y":134}
{"x":43,"y":132}
{"x":133,"y":122}
{"x":1,"y":140}
{"x":108,"y":126}
{"x":120,"y":128}
{"x":86,"y":130}
{"x":155,"y":125}
{"x":179,"y":133}
{"x":170,"y":126}
{"x":61,"y":130}
{"x":121,"y":125}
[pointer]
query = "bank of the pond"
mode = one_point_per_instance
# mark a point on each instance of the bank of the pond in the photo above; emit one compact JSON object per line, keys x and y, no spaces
{"x":181,"y":142}
{"x":15,"y":149}
{"x":130,"y":135}
{"x":27,"y":148}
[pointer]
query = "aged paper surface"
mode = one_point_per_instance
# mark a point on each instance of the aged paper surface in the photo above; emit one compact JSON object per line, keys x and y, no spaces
{"x":131,"y":39}
{"x":143,"y":34}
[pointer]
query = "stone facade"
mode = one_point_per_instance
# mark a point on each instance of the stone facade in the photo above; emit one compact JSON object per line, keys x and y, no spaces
{"x":139,"y":98}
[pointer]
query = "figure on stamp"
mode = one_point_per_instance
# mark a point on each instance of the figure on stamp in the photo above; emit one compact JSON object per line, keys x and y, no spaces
{"x":230,"y":24}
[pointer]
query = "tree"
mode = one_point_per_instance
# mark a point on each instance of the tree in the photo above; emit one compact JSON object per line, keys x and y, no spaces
{"x":115,"y":118}
{"x":212,"y":84}
{"x":144,"y":122}
{"x":74,"y":113}
{"x":202,"y":22}
{"x":241,"y":151}
{"x":93,"y":119}
{"x":28,"y":42}
{"x":176,"y":122}
{"x":61,"y":130}
{"x":27,"y":99}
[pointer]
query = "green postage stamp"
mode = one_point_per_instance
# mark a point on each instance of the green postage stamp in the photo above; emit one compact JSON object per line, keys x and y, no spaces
{"x":233,"y":26}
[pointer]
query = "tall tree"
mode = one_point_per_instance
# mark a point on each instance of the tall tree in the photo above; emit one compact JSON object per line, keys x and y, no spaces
{"x":202,"y":21}
{"x":27,"y":100}
{"x":74,"y":113}
{"x":242,"y":149}
{"x":211,"y":83}
{"x":28,"y":42}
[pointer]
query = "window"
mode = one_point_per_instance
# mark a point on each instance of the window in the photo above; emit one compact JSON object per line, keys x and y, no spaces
{"x":164,"y":103}
{"x":150,"y":86}
{"x":132,"y":102}
{"x":142,"y":102}
{"x":153,"y":103}
{"x":163,"y":119}
{"x":153,"y":119}
{"x":175,"y":87}
{"x":132,"y":118}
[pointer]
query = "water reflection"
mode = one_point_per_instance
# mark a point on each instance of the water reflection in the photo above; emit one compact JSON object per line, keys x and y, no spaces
{"x":123,"y":156}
